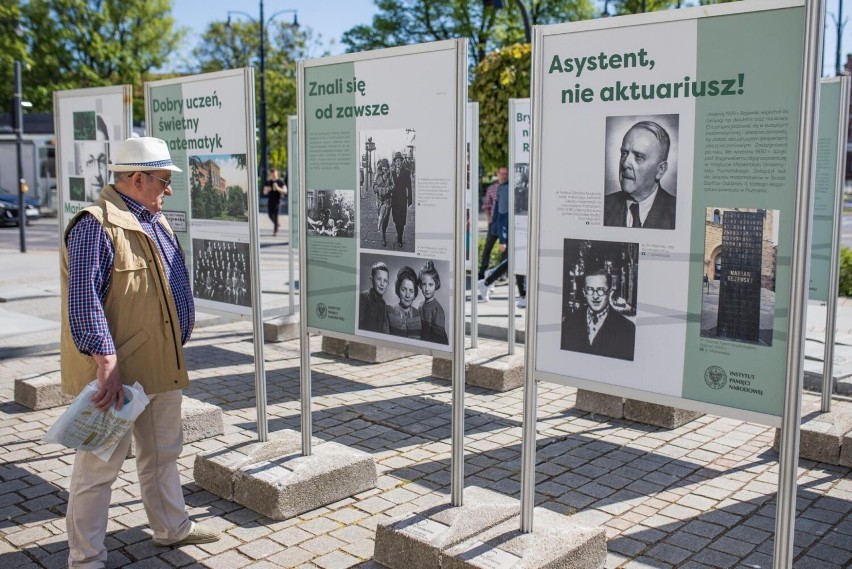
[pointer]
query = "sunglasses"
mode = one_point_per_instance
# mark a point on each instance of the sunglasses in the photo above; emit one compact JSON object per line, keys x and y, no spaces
{"x":166,"y":183}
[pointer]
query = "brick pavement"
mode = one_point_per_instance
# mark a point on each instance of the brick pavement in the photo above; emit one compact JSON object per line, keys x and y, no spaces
{"x":694,"y":497}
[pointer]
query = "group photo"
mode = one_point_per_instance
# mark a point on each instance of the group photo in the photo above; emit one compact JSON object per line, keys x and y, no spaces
{"x":404,"y":297}
{"x":386,"y":178}
{"x":221,"y":271}
{"x":330,"y":213}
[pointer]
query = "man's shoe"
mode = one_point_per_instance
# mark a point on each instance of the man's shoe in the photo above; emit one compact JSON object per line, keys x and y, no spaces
{"x":199,"y":534}
{"x":522,"y":302}
{"x":483,"y":290}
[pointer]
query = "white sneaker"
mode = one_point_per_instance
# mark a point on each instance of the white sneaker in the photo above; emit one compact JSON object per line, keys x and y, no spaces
{"x":522,"y":302}
{"x":483,"y":290}
{"x":488,"y":273}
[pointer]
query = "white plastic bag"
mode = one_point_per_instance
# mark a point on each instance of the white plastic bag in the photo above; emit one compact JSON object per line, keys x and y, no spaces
{"x":84,"y":427}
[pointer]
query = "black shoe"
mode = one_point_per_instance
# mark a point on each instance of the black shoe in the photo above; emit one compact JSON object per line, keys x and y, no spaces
{"x":384,"y":241}
{"x":399,"y":241}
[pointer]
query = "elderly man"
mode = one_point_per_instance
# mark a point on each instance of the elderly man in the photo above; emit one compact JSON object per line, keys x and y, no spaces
{"x":642,"y":201}
{"x":127,"y":310}
{"x":599,"y":330}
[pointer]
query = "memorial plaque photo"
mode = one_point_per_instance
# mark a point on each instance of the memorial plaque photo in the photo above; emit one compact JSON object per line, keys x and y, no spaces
{"x":738,"y":300}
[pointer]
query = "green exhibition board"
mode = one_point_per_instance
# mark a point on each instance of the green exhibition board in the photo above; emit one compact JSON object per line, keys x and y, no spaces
{"x":829,"y":132}
{"x":330,"y":154}
{"x":664,"y":256}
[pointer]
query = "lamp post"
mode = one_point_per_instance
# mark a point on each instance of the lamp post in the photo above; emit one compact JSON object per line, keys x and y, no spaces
{"x":262,"y":24}
{"x":497,"y":4}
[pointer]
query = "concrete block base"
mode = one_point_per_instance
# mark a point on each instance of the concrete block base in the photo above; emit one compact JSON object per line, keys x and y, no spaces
{"x":335,"y":347}
{"x":600,"y":404}
{"x":360,"y":351}
{"x":487,"y":366}
{"x":199,"y":421}
{"x":554,"y":542}
{"x":825,"y":437}
{"x":846,"y":451}
{"x":468,"y":536}
{"x":41,"y":392}
{"x":632,"y":410}
{"x":274,"y":479}
{"x":658,"y":415}
{"x":374,"y":354}
{"x":281,"y":329}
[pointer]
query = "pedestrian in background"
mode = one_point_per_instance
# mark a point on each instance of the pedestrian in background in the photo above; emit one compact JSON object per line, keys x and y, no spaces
{"x":274,"y":189}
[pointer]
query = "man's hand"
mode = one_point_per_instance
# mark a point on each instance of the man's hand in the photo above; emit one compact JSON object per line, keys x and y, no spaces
{"x":110,"y":391}
{"x":502,"y":247}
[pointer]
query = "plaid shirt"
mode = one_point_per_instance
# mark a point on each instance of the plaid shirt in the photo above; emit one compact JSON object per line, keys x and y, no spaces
{"x":90,"y":265}
{"x":490,"y":198}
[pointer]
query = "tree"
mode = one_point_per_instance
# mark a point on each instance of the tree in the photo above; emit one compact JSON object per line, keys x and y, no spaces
{"x":502,"y":75}
{"x":236,"y":44}
{"x":403,"y":22}
{"x":88,"y":43}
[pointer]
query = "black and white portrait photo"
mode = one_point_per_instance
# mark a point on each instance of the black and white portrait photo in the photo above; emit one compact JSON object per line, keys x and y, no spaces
{"x":330,"y":213}
{"x":522,"y":188}
{"x":91,"y":155}
{"x":405,"y":297}
{"x":387,"y":185}
{"x":599,"y":295}
{"x":221,"y":271}
{"x":641,"y":171}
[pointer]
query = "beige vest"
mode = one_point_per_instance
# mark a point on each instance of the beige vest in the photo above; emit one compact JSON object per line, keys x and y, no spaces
{"x":139,"y":307}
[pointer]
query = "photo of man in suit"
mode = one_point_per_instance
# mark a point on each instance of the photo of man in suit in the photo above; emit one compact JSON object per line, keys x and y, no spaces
{"x":642,"y":201}
{"x":600,"y":329}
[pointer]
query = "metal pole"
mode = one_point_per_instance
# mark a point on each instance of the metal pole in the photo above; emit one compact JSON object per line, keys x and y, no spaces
{"x":304,"y":338}
{"x":457,"y":461}
{"x":256,"y":294}
{"x":18,"y":117}
{"x":510,"y":251}
{"x":264,"y":152}
{"x":785,"y":516}
{"x":834,"y":263}
{"x":526,"y":18}
{"x":837,"y":50}
{"x":528,"y":441}
{"x":473,"y":178}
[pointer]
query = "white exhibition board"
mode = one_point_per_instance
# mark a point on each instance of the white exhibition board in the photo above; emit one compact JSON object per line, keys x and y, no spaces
{"x":519,"y":179}
{"x":213,"y":206}
{"x":382,"y":188}
{"x":666,"y":205}
{"x":89,"y":123}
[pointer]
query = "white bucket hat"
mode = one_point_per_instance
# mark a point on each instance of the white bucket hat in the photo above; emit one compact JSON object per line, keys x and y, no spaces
{"x":143,"y":154}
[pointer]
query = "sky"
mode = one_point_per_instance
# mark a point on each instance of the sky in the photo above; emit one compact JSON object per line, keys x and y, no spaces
{"x":331,"y":18}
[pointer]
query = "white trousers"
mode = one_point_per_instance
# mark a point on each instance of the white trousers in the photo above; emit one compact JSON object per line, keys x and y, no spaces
{"x":158,"y":435}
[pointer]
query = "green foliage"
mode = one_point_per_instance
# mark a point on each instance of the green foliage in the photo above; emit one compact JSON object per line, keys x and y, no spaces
{"x":237,"y":44}
{"x":404,"y":22}
{"x":495,"y":257}
{"x":70,"y":44}
{"x":845,"y":271}
{"x":503,"y":75}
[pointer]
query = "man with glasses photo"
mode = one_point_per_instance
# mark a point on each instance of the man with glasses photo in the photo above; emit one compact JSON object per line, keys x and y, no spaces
{"x":600,"y":329}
